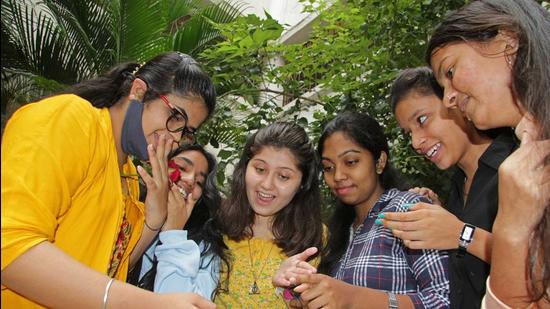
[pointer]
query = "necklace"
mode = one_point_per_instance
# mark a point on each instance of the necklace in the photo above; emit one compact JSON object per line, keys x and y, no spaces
{"x":254,"y":289}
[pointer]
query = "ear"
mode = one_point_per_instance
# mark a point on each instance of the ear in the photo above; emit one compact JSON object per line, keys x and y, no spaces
{"x":137,"y":92}
{"x":509,"y":41}
{"x":381,"y":162}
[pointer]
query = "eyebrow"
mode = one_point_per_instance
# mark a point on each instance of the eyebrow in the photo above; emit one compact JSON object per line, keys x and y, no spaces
{"x":277,"y":167}
{"x":342,"y":154}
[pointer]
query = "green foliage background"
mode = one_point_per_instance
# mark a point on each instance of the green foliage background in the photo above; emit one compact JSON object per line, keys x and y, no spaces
{"x":354,"y":52}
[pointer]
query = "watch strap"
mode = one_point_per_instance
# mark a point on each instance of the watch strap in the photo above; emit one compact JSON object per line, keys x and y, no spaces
{"x":392,"y":301}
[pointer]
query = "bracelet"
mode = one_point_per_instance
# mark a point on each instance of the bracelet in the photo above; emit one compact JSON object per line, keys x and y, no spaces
{"x":152,"y":229}
{"x":107,"y":292}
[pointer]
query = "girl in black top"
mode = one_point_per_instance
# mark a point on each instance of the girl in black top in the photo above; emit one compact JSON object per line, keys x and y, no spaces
{"x":447,"y":138}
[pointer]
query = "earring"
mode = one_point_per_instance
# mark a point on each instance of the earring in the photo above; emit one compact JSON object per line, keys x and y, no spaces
{"x":379,"y":171}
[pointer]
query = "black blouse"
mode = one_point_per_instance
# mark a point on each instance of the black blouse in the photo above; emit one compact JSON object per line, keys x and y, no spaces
{"x":469,"y":273}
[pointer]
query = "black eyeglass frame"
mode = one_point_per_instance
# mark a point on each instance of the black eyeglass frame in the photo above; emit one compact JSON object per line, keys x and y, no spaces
{"x":188,"y":135}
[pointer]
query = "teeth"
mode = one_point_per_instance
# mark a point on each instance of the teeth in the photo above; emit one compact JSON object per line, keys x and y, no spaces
{"x":263,"y":195}
{"x":182,"y":191}
{"x":432,"y":151}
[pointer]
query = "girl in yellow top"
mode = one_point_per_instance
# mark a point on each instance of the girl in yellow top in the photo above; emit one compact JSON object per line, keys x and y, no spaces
{"x":273,"y":212}
{"x":71,"y":219}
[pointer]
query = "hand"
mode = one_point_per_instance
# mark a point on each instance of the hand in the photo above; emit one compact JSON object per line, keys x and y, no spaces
{"x":292,"y":267}
{"x":322,"y":291}
{"x":425,"y":226}
{"x":157,"y":185}
{"x":179,"y":209}
{"x":427,"y":192}
{"x":524,"y":188}
{"x":185,"y":300}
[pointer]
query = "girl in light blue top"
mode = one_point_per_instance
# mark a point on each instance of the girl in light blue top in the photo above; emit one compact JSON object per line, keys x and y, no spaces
{"x":186,"y":256}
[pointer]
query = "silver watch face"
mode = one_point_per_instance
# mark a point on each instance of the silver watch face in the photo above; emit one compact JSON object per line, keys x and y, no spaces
{"x":467,"y":233}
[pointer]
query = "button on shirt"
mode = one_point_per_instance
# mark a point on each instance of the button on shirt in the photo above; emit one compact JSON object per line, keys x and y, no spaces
{"x":376,"y":259}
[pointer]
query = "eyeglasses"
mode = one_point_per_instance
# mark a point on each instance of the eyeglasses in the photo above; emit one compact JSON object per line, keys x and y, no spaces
{"x":177,"y":122}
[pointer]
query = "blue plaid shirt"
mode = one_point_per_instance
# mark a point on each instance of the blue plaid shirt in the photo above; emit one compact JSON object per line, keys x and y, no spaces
{"x":376,"y":259}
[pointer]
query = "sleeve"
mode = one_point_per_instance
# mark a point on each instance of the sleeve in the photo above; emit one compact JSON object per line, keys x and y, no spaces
{"x":179,"y":266}
{"x":430,"y":268}
{"x":46,"y":149}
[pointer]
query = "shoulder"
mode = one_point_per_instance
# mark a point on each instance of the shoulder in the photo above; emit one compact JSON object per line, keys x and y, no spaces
{"x":396,"y":199}
{"x":56,"y":111}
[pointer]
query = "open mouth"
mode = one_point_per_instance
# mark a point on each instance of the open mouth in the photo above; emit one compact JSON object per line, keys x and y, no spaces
{"x":264,"y":197}
{"x":433,"y":151}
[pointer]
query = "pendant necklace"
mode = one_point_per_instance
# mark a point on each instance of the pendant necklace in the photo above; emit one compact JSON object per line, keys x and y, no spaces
{"x":254,"y":289}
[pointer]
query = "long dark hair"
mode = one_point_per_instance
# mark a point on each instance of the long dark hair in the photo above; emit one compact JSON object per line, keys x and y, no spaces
{"x":367,"y":133}
{"x":201,"y":225}
{"x":297,"y":226}
{"x":481,"y":21}
{"x":171,"y":72}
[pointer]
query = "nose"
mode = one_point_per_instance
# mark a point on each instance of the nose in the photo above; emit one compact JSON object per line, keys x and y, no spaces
{"x":416,"y":141}
{"x":450,"y":97}
{"x":339,"y":174}
{"x":267,"y":181}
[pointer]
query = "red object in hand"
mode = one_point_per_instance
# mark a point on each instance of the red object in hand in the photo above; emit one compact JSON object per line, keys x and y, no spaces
{"x":175,"y":175}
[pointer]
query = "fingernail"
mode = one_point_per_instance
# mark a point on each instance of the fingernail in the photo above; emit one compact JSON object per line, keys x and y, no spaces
{"x":378,"y":222}
{"x":381,"y":216}
{"x":407,"y":206}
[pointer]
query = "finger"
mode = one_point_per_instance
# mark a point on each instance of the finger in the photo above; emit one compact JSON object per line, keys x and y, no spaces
{"x":153,"y":160}
{"x":161,"y":156}
{"x":306,"y":267}
{"x":401,"y":216}
{"x":148,"y":180}
{"x":408,"y":235}
{"x":304,"y":255}
{"x":302,"y":288}
{"x":416,"y":244}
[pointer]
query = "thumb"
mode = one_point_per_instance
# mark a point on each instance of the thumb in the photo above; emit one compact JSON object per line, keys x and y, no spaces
{"x":525,"y":138}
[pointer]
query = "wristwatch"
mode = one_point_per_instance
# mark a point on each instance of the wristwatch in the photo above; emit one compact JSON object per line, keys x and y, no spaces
{"x":392,"y":301}
{"x":465,"y":239}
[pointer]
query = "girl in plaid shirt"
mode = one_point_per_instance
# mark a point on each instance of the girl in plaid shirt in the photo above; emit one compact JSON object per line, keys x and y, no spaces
{"x":364,"y":265}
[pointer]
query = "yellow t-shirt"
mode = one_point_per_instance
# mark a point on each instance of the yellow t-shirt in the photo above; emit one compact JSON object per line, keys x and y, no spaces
{"x":266,"y":259}
{"x":61,"y":183}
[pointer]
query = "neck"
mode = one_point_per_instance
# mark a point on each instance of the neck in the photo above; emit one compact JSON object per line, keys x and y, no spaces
{"x":118,"y":112}
{"x":362,"y":209}
{"x":262,"y":227}
{"x":468,"y":163}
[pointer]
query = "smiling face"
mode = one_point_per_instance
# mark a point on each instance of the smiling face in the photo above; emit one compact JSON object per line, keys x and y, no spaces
{"x":272,"y":179}
{"x":156,"y":113}
{"x":478,"y":79}
{"x":350,"y":171}
{"x":188,"y":170}
{"x":438,"y":133}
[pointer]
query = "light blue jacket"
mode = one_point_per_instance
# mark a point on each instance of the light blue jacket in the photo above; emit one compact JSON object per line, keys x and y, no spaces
{"x":179,"y":265}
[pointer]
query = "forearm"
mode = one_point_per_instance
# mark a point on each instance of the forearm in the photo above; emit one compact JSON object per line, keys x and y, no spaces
{"x":147,"y":237}
{"x":509,"y":266}
{"x":359,"y":296}
{"x":481,"y":245}
{"x":48,"y":276}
